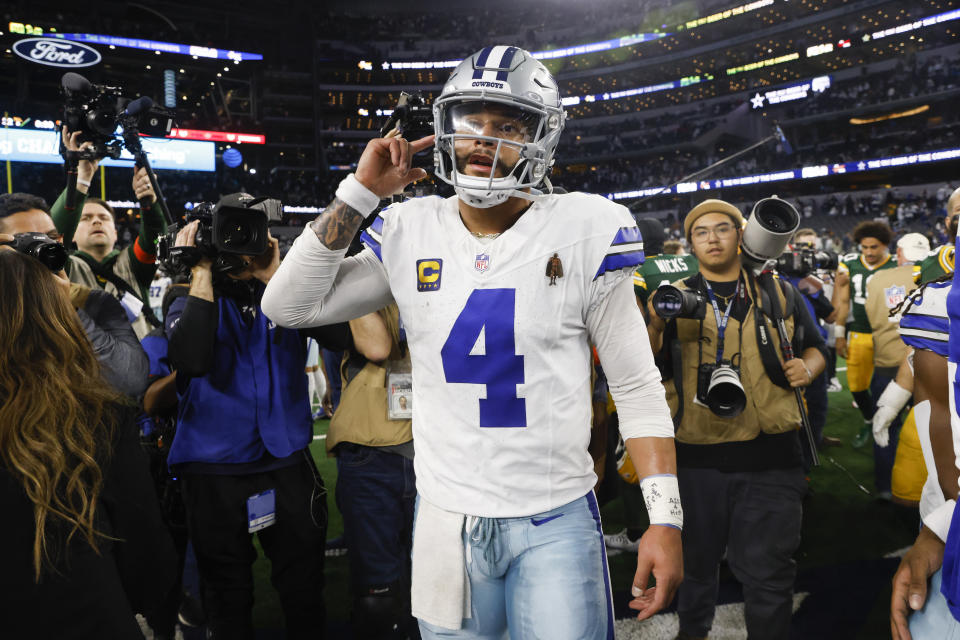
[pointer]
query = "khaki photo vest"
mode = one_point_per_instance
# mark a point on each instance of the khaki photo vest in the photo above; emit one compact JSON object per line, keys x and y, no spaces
{"x":361,"y":417}
{"x":769,"y":408}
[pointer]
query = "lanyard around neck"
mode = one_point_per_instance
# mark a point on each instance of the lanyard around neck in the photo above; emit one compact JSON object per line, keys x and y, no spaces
{"x":721,"y":320}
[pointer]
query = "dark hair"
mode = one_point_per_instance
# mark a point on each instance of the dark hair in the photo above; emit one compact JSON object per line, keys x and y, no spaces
{"x":11,"y":203}
{"x":651,"y":231}
{"x":54,"y":407}
{"x":102,"y":203}
{"x":873,"y":229}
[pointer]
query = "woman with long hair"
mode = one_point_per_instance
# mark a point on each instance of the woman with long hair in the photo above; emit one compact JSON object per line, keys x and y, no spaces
{"x":79,"y":514}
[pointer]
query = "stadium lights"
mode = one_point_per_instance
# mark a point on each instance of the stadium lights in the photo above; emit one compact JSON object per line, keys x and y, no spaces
{"x":805,"y":173}
{"x":634,"y":39}
{"x":593,"y":47}
{"x":918,"y":24}
{"x":609,"y":95}
{"x":759,"y":64}
{"x":159,"y":47}
{"x":891,"y":116}
{"x":798,"y":91}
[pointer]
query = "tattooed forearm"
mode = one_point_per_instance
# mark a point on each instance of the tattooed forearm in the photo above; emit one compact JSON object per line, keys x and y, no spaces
{"x":337,"y":225}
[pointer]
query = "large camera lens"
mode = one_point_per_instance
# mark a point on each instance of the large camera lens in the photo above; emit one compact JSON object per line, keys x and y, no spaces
{"x":40,"y":246}
{"x":776,"y":215}
{"x":236,"y":234}
{"x":53,"y":255}
{"x":671,"y":302}
{"x":769,"y":228}
{"x":725,"y":395}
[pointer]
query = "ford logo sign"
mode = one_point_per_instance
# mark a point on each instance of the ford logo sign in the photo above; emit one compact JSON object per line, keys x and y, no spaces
{"x":56,"y":53}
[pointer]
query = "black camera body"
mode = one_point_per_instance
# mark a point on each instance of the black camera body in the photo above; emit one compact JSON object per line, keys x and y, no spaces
{"x":413,"y":118}
{"x":802,"y":262}
{"x":98,"y":110}
{"x":42,"y":247}
{"x":236,"y":226}
{"x":671,"y":302}
{"x":720,"y":390}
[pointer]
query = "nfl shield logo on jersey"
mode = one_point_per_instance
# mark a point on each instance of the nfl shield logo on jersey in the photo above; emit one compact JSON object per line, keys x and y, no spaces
{"x":482,"y":263}
{"x":895,"y":295}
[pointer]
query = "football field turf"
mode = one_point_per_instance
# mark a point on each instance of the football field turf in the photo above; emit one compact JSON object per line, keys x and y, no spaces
{"x":847,"y":531}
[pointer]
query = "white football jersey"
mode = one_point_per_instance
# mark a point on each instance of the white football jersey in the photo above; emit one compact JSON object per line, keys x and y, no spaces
{"x":497,"y":332}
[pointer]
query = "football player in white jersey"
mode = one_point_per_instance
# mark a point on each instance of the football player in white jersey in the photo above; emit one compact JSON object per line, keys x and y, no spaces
{"x":502,"y":289}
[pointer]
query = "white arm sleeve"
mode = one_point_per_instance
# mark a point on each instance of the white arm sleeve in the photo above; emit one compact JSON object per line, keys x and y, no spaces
{"x":316,"y":286}
{"x":616,"y":327}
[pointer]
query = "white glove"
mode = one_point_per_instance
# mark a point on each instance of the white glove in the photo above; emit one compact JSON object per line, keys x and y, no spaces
{"x":892,"y":401}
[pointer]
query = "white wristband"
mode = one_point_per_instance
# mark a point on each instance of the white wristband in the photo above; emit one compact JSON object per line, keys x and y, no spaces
{"x":840,"y":331}
{"x":83,"y":183}
{"x":661,"y":493}
{"x":357,"y":196}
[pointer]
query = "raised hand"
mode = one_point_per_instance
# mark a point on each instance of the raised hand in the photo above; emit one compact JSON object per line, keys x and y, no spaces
{"x":384,"y":168}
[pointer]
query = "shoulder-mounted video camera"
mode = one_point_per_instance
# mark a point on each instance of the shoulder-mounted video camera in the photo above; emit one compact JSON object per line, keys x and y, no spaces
{"x":99,"y":110}
{"x":236,"y":226}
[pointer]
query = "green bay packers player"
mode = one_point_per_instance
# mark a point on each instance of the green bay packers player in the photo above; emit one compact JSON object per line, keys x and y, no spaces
{"x":658,"y":267}
{"x":941,"y":260}
{"x":855,"y":339}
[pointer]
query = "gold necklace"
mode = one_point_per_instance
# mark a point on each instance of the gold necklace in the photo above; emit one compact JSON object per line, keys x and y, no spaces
{"x":482,"y":236}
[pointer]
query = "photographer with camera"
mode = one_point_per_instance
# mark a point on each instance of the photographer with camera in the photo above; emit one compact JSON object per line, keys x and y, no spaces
{"x":730,"y":385}
{"x":805,"y":267}
{"x":244,"y":423}
{"x":25,"y":220}
{"x":126,"y":274}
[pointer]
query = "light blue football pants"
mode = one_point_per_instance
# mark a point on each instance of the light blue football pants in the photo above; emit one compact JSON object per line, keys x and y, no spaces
{"x":934,"y":621}
{"x":543,"y":576}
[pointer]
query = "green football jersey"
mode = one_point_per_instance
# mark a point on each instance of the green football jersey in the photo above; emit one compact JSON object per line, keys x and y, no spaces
{"x":661,"y":268}
{"x":938,"y":263}
{"x":860,"y":274}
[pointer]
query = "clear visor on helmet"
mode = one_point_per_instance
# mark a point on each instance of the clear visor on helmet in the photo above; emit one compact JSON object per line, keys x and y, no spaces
{"x":491,"y":119}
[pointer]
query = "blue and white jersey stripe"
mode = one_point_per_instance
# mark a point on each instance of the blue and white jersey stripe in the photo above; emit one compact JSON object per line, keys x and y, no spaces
{"x":926,"y":324}
{"x":493,"y":63}
{"x":626,"y":251}
{"x":372,"y":237}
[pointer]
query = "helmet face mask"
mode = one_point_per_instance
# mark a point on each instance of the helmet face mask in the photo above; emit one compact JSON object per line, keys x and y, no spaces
{"x":497,"y":121}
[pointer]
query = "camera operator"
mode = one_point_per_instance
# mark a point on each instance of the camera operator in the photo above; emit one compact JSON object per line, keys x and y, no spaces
{"x":738,"y":449}
{"x":126,"y":274}
{"x":103,"y":320}
{"x":241,"y":449}
{"x":803,"y":267}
